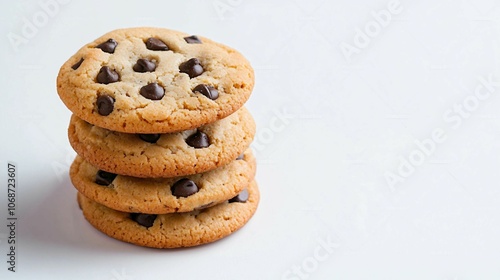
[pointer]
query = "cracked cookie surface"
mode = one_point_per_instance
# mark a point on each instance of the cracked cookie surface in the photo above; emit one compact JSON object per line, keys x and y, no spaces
{"x":157,"y":196}
{"x":164,"y":155}
{"x":172,"y":230}
{"x":154,"y":80}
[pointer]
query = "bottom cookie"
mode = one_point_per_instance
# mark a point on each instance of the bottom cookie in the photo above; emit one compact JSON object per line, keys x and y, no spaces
{"x":177,"y":229}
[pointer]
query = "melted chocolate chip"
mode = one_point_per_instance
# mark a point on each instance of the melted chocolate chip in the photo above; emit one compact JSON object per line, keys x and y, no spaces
{"x":242,"y":156}
{"x":184,"y":188}
{"x":204,"y":206}
{"x":156,"y":44}
{"x":104,"y":178}
{"x":105,"y":104}
{"x":192,"y":39}
{"x":241,"y":197}
{"x":151,"y":138}
{"x":208,"y":91}
{"x":198,"y":140}
{"x":108,"y":46}
{"x":76,"y":65}
{"x":152,"y":91}
{"x":107,"y":75}
{"x":145,"y":220}
{"x":144,"y":65}
{"x":191,"y":67}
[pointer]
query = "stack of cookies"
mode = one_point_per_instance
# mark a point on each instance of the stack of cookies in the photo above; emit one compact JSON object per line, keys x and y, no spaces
{"x":162,"y":136}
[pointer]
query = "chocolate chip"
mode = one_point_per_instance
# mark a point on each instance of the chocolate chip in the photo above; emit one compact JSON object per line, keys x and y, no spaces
{"x":191,"y":67}
{"x":104,"y":178}
{"x":198,"y":140}
{"x":152,"y":91}
{"x":76,"y":65}
{"x":107,"y":76}
{"x":241,"y":197}
{"x":242,"y":156}
{"x":192,"y":39}
{"x":156,"y":44}
{"x":184,"y":188}
{"x":151,"y":138}
{"x":204,"y":206}
{"x":105,"y":104}
{"x":145,"y":220}
{"x":108,"y":46}
{"x":208,"y":91}
{"x":144,"y":65}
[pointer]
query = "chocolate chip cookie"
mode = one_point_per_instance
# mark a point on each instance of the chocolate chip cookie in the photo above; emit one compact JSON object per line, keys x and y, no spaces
{"x":164,"y":155}
{"x":176,"y":229}
{"x":161,"y":196}
{"x":154,"y":80}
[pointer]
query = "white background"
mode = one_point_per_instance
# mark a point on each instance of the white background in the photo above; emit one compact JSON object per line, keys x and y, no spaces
{"x":349,"y":120}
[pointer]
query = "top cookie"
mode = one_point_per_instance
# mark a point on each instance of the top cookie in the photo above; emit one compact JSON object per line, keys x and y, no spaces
{"x":154,"y":80}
